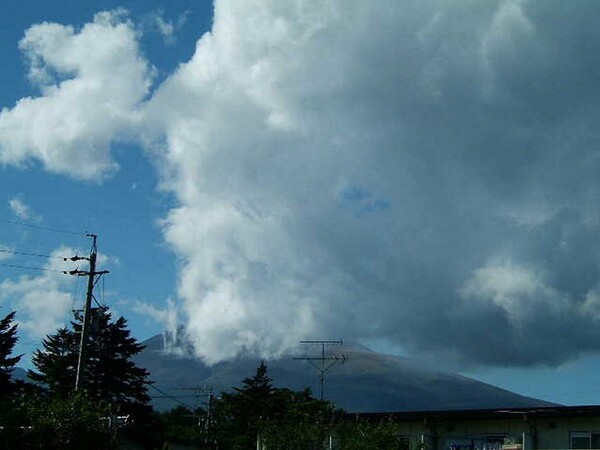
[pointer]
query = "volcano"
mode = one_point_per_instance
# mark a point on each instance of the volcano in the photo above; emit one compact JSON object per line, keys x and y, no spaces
{"x":366,"y":381}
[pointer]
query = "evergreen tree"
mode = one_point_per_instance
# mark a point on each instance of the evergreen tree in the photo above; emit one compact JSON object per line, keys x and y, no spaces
{"x":8,"y":339}
{"x":256,"y":394}
{"x":57,"y":362}
{"x":259,"y":408}
{"x":241,"y":411}
{"x":110,"y":376}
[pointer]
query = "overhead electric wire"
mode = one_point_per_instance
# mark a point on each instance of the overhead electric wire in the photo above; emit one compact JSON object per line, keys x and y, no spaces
{"x":37,"y":255}
{"x":191,"y":408}
{"x":41,"y":227}
{"x":17,"y":266}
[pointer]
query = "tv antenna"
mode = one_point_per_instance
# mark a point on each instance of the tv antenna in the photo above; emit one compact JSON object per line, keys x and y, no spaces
{"x":325,"y":363}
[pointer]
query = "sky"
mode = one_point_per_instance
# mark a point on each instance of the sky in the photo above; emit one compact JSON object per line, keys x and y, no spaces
{"x":421,"y":176}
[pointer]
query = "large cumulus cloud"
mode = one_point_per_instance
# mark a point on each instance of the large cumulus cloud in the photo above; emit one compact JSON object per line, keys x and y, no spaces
{"x":91,"y":82}
{"x":419,"y":171}
{"x":424,"y":172}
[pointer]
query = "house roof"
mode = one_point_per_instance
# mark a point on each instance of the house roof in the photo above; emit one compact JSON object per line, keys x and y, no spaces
{"x":501,"y":413}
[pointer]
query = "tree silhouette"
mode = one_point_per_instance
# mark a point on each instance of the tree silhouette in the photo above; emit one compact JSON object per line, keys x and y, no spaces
{"x":57,"y":362}
{"x":110,"y":375}
{"x":259,"y":408}
{"x":8,"y":339}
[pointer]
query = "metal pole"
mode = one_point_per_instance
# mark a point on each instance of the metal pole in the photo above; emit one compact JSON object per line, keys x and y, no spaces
{"x":323,"y":367}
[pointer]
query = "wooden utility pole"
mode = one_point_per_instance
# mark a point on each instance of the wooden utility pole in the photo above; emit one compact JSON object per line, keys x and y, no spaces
{"x":87,"y":310}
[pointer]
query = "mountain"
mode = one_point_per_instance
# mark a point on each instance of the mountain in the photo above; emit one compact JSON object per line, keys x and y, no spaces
{"x":19,"y":374}
{"x":367,"y":381}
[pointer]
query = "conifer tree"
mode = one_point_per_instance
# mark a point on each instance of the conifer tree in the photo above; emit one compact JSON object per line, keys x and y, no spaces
{"x":242,"y":410}
{"x":57,"y":362}
{"x":8,"y":339}
{"x":260,"y":408}
{"x":257,"y":390}
{"x":110,"y":375}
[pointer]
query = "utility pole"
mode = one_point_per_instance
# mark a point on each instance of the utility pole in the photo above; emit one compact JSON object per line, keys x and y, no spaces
{"x":209,"y":422}
{"x":87,"y":311}
{"x":326,"y":363}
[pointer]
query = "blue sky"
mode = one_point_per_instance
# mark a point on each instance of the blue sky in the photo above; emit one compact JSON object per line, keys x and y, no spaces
{"x":122,"y":211}
{"x":314,"y":170}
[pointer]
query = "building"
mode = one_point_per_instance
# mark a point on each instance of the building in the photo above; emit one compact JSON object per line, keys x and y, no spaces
{"x":556,"y":427}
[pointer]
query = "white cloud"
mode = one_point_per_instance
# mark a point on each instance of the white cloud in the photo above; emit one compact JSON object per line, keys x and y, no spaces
{"x":23,"y":211}
{"x":167,"y":316}
{"x":92,"y":81}
{"x":521,"y":292}
{"x":354,"y":169}
{"x":167,"y":28}
{"x":4,"y":255}
{"x":347,"y":169}
{"x":44,"y":301}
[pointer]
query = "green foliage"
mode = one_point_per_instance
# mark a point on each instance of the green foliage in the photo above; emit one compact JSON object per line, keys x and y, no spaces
{"x":110,"y":376}
{"x":300,"y":422}
{"x":311,"y":435}
{"x":181,"y":426}
{"x":57,"y":363}
{"x":295,"y":435}
{"x":8,"y":339}
{"x":74,"y":422}
{"x":364,"y":435}
{"x":50,"y":415}
{"x":12,"y":417}
{"x":282,"y":419}
{"x":259,"y":408}
{"x":37,"y":422}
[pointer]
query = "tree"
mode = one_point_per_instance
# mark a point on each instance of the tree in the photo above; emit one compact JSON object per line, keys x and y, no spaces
{"x":256,"y":395}
{"x":110,"y":375}
{"x":180,"y":425}
{"x":75,"y":422}
{"x":57,"y":363}
{"x":241,"y":412}
{"x":8,"y":339}
{"x":284,"y":418}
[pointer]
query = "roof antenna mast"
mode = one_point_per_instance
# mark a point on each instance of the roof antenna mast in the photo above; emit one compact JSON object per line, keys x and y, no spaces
{"x":323,"y":363}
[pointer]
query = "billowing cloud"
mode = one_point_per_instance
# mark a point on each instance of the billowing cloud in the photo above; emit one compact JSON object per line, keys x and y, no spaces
{"x":423,"y":172}
{"x":43,"y":302}
{"x":91,"y":83}
{"x":22,"y":210}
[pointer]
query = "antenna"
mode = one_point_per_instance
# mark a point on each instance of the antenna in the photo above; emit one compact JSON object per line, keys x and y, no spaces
{"x":326,"y":363}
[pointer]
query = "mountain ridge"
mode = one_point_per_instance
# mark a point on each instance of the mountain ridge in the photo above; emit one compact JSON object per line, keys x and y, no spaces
{"x":367,"y":382}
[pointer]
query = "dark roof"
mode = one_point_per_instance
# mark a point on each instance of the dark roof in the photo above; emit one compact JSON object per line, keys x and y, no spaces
{"x":501,"y":413}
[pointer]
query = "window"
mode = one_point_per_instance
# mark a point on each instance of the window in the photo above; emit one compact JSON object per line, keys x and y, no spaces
{"x":585,"y":440}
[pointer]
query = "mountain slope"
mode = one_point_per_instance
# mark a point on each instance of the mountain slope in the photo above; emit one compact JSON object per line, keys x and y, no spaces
{"x":367,"y":382}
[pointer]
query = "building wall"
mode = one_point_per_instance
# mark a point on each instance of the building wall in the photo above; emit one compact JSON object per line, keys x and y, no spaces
{"x":556,"y":433}
{"x":541,"y":433}
{"x":523,"y":432}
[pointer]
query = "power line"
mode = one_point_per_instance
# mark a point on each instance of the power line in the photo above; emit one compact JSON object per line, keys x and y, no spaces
{"x":37,"y":255}
{"x":191,"y":408}
{"x":17,"y":266}
{"x":41,"y":227}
